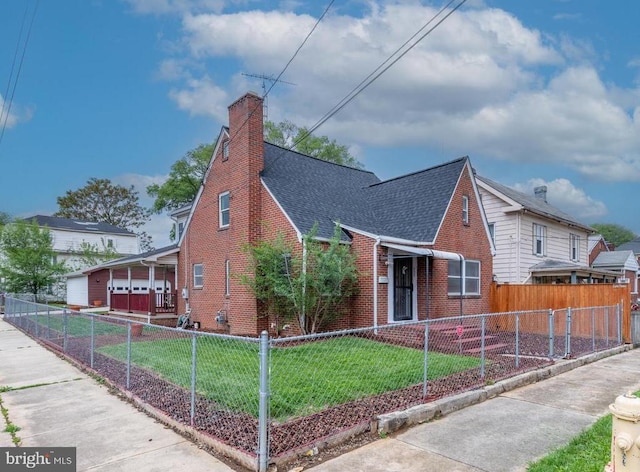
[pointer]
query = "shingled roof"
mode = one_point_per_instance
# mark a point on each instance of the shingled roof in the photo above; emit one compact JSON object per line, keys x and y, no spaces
{"x":535,"y":204}
{"x":81,"y":226}
{"x":312,"y":190}
{"x":633,"y":245}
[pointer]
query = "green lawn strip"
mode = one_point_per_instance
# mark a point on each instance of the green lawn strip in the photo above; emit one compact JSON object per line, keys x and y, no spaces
{"x":78,"y":325}
{"x":590,"y":451}
{"x":304,"y":378}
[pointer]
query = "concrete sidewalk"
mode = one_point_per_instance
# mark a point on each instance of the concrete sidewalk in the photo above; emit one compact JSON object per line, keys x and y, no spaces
{"x":59,"y":406}
{"x":504,"y":433}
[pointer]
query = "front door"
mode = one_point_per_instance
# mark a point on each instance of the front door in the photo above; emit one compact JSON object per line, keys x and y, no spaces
{"x":403,"y":289}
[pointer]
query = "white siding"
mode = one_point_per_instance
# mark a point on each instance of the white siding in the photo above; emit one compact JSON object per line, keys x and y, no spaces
{"x":514,"y":240}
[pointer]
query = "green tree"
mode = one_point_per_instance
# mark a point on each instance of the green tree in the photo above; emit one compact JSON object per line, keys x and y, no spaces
{"x":104,"y":202}
{"x":614,"y":233}
{"x":89,"y":255}
{"x":286,"y":134}
{"x":184,"y":180}
{"x":309,"y":288}
{"x":28,"y":265}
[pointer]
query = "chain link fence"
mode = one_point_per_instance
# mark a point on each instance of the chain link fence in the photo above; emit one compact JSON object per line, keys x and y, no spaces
{"x":269,"y":399}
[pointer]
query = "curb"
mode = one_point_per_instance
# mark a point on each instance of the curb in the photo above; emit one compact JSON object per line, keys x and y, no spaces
{"x":393,"y":422}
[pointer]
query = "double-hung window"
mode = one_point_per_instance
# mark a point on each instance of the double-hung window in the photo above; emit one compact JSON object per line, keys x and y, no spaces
{"x":539,"y":239}
{"x":470,"y":278}
{"x":198,"y":276}
{"x":465,"y":209}
{"x":574,"y":247}
{"x":223,"y":209}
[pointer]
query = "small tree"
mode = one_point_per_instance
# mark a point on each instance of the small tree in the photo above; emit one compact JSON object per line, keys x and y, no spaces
{"x":29,"y":264}
{"x":89,"y":255}
{"x":309,"y":288}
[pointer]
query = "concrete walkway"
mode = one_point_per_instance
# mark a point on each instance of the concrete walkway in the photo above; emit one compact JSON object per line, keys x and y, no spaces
{"x":56,"y":405}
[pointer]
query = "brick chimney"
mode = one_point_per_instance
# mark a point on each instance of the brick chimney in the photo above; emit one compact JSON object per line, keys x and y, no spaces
{"x":246,"y":151}
{"x":541,"y":192}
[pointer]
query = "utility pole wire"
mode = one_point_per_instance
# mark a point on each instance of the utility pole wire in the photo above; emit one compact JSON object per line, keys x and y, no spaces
{"x":381,"y":69}
{"x":15,"y":83}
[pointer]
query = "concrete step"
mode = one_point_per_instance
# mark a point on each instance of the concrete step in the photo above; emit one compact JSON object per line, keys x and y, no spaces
{"x":491,"y":347}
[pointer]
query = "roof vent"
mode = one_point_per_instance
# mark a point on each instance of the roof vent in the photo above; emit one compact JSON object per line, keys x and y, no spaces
{"x":541,"y":192}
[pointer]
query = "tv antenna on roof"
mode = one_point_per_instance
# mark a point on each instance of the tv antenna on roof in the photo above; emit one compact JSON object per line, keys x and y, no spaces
{"x":264,"y":79}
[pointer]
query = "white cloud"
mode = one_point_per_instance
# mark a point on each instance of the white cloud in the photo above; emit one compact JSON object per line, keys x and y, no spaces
{"x":562,"y":194}
{"x":477,"y":85}
{"x":202,"y":97}
{"x":13,"y":114}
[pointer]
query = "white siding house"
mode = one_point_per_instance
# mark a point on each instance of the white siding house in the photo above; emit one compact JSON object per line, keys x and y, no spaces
{"x":535,"y":242}
{"x":69,"y":235}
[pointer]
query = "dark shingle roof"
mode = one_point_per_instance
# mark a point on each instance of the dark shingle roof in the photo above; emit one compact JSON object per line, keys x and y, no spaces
{"x":312,"y":190}
{"x":535,"y":204}
{"x":633,"y":245}
{"x":56,"y":222}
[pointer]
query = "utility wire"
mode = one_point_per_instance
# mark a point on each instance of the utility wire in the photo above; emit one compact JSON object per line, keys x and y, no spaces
{"x":273,"y":83}
{"x":381,"y":69}
{"x":15,"y":83}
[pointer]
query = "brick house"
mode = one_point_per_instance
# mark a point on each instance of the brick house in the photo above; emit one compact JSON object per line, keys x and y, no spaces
{"x":416,"y":237}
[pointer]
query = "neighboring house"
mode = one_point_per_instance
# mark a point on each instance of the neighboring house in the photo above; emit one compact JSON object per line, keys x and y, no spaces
{"x":179,"y":216}
{"x":535,"y":242}
{"x":420,"y":239}
{"x":633,"y":246}
{"x":597,"y":244}
{"x":69,"y":235}
{"x":624,"y":263}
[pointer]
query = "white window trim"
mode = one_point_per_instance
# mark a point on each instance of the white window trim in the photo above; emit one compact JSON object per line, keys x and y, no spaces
{"x":465,"y":209}
{"x":574,"y":247}
{"x":539,"y":236}
{"x":221,"y":211}
{"x":464,"y":277}
{"x":195,"y":276}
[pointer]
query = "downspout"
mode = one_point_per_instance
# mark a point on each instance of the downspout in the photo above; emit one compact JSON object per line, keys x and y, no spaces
{"x":376,"y":245}
{"x":304,"y":284}
{"x":462,"y":284}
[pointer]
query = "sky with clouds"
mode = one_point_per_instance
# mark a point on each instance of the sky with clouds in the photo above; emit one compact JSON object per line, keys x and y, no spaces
{"x":538,"y":92}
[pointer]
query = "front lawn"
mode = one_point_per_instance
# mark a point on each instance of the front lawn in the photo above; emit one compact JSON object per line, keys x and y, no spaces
{"x":304,"y":378}
{"x":78,"y":325}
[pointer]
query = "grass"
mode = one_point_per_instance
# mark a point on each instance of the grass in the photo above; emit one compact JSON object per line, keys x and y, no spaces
{"x":79,"y":325}
{"x":590,"y":451}
{"x":304,"y":378}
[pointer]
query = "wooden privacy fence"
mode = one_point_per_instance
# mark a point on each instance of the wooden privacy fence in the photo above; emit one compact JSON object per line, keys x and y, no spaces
{"x":514,"y":298}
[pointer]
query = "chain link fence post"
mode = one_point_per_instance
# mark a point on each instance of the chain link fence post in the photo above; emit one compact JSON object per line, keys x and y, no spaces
{"x":425,"y":366}
{"x":551,"y":334}
{"x":194,"y":362}
{"x":619,"y":322}
{"x":128,"y":381}
{"x":482,"y":347}
{"x":593,"y":329}
{"x":92,"y":347}
{"x":606,"y":323}
{"x":263,"y":419}
{"x":517,"y":340}
{"x":65,"y":329}
{"x":567,"y":350}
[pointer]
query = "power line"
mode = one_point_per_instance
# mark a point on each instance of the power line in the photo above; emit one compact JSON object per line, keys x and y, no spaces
{"x":381,"y":69}
{"x":15,"y":83}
